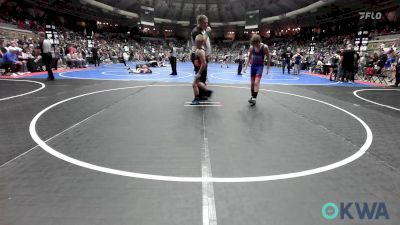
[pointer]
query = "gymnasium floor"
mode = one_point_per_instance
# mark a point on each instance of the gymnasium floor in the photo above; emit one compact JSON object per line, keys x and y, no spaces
{"x":101,"y":146}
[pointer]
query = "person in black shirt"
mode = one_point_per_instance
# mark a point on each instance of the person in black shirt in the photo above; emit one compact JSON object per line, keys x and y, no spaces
{"x":203,"y":29}
{"x":95,"y":55}
{"x":196,"y":31}
{"x":382,"y":58}
{"x":348,"y":63}
{"x":286,"y":56}
{"x":396,"y":84}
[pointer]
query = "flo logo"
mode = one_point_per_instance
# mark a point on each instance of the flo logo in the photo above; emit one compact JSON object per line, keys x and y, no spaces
{"x":355,"y":210}
{"x":372,"y":15}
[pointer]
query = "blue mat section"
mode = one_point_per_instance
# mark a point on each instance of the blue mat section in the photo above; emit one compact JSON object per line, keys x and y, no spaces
{"x":216,"y":75}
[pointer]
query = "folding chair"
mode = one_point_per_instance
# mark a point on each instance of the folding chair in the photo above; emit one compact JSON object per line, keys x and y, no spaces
{"x":369,"y":73}
{"x":381,"y":77}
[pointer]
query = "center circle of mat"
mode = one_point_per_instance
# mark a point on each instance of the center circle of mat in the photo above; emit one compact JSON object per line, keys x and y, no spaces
{"x":363,"y":149}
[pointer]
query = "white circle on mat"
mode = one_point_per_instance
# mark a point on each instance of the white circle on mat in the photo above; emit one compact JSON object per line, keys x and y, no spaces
{"x":363,"y":149}
{"x":133,"y":78}
{"x":27,"y":93}
{"x":376,"y":103}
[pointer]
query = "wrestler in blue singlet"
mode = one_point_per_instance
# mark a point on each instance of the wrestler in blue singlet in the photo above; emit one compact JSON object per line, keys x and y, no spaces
{"x":257,"y":63}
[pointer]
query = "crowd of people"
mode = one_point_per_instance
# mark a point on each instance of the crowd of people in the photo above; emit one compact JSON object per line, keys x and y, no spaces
{"x":20,"y":56}
{"x":331,"y":54}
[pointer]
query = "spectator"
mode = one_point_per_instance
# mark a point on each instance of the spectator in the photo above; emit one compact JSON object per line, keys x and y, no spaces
{"x":396,"y":84}
{"x":10,"y":62}
{"x":348,"y":61}
{"x":71,"y":61}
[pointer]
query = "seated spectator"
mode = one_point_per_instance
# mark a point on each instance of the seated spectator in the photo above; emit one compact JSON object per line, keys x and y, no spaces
{"x":318,"y":68}
{"x":114,"y":56}
{"x":72,"y":49}
{"x":10,"y":62}
{"x":26,"y":58}
{"x":105,"y":58}
{"x":71,"y":61}
{"x":390,"y":64}
{"x":81,"y":62}
{"x":2,"y":52}
{"x":381,"y":61}
{"x":37,"y":64}
{"x":57,"y":58}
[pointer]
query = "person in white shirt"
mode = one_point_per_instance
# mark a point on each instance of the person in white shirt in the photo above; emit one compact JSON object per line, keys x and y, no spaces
{"x":71,"y":62}
{"x":25,"y":56}
{"x":246,"y":58}
{"x":77,"y":59}
{"x":172,"y":57}
{"x":80,"y":58}
{"x":45,"y":48}
{"x":125,"y":56}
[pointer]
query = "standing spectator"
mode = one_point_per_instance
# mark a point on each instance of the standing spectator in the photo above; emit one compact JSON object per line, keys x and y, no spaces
{"x":348,"y":61}
{"x":382,"y":58}
{"x":125,"y":57}
{"x":286,"y":56}
{"x":297,"y":60}
{"x":333,"y":69}
{"x":95,"y":55}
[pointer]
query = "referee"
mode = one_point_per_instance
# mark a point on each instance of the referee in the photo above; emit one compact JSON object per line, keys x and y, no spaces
{"x":241,"y":61}
{"x":172,"y":58}
{"x":47,"y":58}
